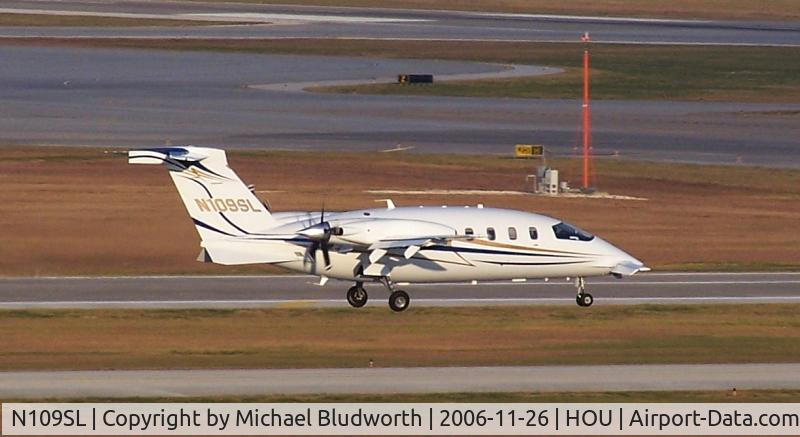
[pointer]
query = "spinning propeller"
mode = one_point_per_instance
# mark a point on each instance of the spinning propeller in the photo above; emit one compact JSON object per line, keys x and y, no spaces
{"x":320,"y":234}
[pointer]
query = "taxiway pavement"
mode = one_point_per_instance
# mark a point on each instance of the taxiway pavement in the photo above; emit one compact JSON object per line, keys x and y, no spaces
{"x":296,"y":291}
{"x":291,"y":21}
{"x":140,"y":98}
{"x":601,"y":378}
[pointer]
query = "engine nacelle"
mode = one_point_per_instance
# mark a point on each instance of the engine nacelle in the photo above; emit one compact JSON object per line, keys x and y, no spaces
{"x":370,"y":231}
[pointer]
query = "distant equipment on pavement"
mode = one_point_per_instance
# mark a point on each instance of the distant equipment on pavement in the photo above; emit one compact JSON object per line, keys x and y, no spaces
{"x":549,"y":178}
{"x":545,"y":181}
{"x":404,"y":79}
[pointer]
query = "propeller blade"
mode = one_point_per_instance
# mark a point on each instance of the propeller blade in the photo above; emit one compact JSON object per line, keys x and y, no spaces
{"x":312,"y":250}
{"x":319,"y":233}
{"x":326,"y":256}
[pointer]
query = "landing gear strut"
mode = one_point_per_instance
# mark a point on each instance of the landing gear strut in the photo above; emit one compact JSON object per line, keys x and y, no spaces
{"x":583,"y":299}
{"x":399,"y":299}
{"x":357,"y":295}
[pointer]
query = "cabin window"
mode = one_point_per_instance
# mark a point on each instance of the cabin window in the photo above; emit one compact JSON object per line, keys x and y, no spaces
{"x":533,"y":233}
{"x":565,"y":231}
{"x":469,"y":231}
{"x":512,"y":233}
{"x":490,"y":234}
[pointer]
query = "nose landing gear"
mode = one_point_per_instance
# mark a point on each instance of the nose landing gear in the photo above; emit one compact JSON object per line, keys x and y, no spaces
{"x":583,"y":299}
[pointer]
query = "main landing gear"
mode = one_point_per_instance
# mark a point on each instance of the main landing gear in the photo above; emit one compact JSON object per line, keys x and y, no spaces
{"x":398,"y":299}
{"x":357,"y":295}
{"x":583,"y":299}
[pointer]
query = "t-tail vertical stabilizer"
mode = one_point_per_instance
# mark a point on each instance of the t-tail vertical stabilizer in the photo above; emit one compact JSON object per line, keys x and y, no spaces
{"x":219,"y":203}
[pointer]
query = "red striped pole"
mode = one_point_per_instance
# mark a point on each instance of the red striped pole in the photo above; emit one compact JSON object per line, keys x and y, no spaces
{"x":586,"y":124}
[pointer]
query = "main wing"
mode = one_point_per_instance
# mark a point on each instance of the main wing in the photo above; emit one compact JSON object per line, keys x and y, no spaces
{"x":408,"y":246}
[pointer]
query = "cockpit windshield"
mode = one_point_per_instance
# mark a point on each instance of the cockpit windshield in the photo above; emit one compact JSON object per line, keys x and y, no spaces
{"x":565,"y":231}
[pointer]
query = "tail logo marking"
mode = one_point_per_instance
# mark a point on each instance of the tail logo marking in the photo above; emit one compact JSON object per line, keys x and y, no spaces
{"x":206,"y":175}
{"x":226,"y":205}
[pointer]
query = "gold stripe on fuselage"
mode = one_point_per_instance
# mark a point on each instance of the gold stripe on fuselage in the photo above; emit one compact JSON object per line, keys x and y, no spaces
{"x":525,"y":248}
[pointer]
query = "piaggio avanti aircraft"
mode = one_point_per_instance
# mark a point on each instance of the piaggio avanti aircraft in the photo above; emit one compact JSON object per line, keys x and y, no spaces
{"x":388,"y":245}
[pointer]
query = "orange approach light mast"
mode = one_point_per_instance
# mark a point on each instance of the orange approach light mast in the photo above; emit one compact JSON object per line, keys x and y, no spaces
{"x":586,"y":119}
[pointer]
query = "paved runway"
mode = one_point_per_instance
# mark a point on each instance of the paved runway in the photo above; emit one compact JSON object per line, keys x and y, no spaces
{"x":139,"y":98}
{"x":300,"y":291}
{"x":316,"y":21}
{"x":177,"y":383}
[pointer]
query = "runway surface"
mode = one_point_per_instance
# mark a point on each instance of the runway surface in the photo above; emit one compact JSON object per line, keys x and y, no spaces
{"x":338,"y":22}
{"x":177,"y":383}
{"x":139,"y":98}
{"x":300,"y":291}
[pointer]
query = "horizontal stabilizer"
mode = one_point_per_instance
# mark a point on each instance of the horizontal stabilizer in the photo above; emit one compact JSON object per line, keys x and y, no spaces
{"x":161,"y":155}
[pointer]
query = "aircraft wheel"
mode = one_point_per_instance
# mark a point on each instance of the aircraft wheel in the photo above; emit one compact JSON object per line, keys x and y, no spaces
{"x":584,"y":299}
{"x":357,"y":296}
{"x":399,"y":300}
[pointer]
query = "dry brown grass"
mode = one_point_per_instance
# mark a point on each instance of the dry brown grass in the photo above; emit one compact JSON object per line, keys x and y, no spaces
{"x":481,"y":397}
{"x":44,"y":20}
{"x":130,"y":339}
{"x":84,"y":211}
{"x":730,"y":9}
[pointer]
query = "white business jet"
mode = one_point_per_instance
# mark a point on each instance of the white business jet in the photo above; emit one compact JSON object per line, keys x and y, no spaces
{"x":389,"y":245}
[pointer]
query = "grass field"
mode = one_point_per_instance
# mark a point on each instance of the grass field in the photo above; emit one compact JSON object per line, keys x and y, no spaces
{"x":78,"y":211}
{"x":309,"y":338}
{"x":751,"y":74}
{"x":728,"y":9}
{"x":45,"y":20}
{"x":621,"y":72}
